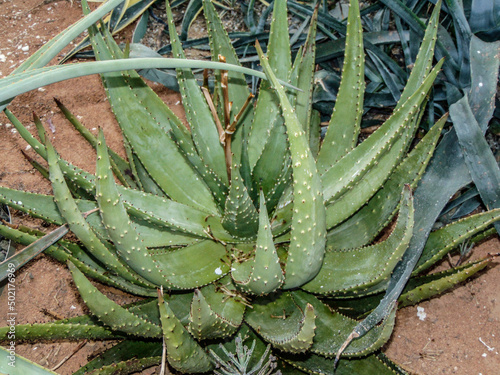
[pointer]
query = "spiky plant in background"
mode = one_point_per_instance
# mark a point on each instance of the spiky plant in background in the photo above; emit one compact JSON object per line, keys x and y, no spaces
{"x":253,"y":225}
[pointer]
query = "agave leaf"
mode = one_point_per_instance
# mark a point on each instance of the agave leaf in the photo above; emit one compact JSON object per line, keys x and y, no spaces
{"x":115,"y":219}
{"x":388,"y":78}
{"x":305,"y":63}
{"x":332,"y":326}
{"x":44,"y":207}
{"x":484,"y":19}
{"x":365,"y":224}
{"x":140,"y":28}
{"x":478,"y":156}
{"x":168,"y":169}
{"x":267,"y":121}
{"x":372,"y":364}
{"x":352,"y":167}
{"x":358,"y":269}
{"x":280,"y":321}
{"x":261,"y":274}
{"x":463,"y":36}
{"x":445,"y":239}
{"x":141,"y":174}
{"x":119,"y":18}
{"x":182,"y":138}
{"x":83,"y":179}
{"x":82,"y":261}
{"x":272,"y":177}
{"x":119,"y":165}
{"x":417,"y":289}
{"x":110,"y":313}
{"x":240,"y":215}
{"x":167,"y":214}
{"x":183,"y":352}
{"x":429,"y":286}
{"x":351,"y":201}
{"x":198,"y":114}
{"x":208,"y":320}
{"x":335,"y":48}
{"x":308,"y":232}
{"x":423,"y":62}
{"x":127,"y":367}
{"x":451,"y":66}
{"x":224,"y":301}
{"x":343,"y":129}
{"x":80,"y":227}
{"x":447,"y":169}
{"x":192,"y":266}
{"x":79,"y":328}
{"x":403,"y":269}
{"x":190,"y":14}
{"x":238,"y":89}
{"x":314,"y":132}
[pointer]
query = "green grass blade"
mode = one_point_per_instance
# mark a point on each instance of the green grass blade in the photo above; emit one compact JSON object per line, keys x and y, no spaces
{"x":12,"y":264}
{"x":19,"y":83}
{"x":11,"y":360}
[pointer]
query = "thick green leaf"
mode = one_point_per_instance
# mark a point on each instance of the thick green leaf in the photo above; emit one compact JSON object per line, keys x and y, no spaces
{"x":373,"y":364}
{"x":110,"y":313}
{"x":262,"y":273}
{"x":183,"y":352}
{"x":308,"y":233}
{"x":364,"y":225}
{"x":267,"y":138}
{"x":192,"y":266}
{"x":343,"y":129}
{"x":79,"y":226}
{"x":117,"y":223}
{"x":198,"y":114}
{"x":280,"y":321}
{"x":479,"y":158}
{"x":358,"y":269}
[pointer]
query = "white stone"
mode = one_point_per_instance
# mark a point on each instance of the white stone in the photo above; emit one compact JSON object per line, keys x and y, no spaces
{"x":421,"y":313}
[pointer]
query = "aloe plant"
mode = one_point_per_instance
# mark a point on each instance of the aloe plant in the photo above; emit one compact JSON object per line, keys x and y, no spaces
{"x":246,"y":227}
